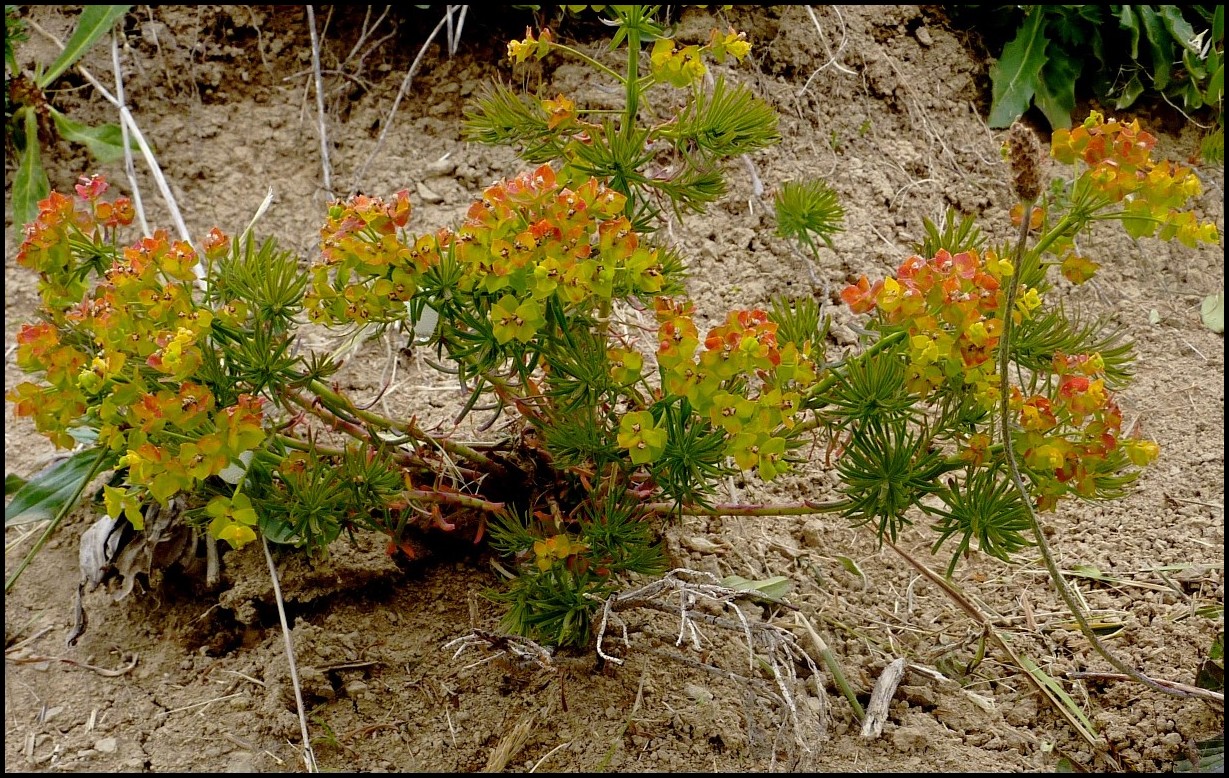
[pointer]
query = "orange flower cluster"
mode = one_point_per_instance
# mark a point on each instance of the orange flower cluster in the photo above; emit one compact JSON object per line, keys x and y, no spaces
{"x":951,"y":307}
{"x":123,"y":357}
{"x":525,"y":242}
{"x":1071,"y":440}
{"x":62,"y":220}
{"x":757,"y":418}
{"x":1118,"y":158}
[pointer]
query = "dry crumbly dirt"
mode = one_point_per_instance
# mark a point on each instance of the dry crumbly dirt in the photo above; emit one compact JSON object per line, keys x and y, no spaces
{"x":885,"y":103}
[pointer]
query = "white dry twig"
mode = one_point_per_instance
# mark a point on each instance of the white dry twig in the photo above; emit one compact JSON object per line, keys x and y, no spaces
{"x":405,"y":87}
{"x":454,"y":33}
{"x":130,"y":168}
{"x":309,"y":756}
{"x":320,"y":113}
{"x":768,"y":646}
{"x":833,"y":58}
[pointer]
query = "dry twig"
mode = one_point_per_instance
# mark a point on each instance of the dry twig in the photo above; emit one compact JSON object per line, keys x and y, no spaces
{"x":309,"y":756}
{"x":320,"y":114}
{"x":405,"y":87}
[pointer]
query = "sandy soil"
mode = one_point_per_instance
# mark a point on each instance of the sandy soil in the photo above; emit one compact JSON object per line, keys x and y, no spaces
{"x":886,"y":102}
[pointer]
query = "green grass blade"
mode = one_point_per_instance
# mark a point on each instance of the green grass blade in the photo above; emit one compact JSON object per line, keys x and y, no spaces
{"x":43,"y":496}
{"x":30,"y":180}
{"x":105,"y":142}
{"x":97,"y":463}
{"x":1014,"y":76}
{"x":1056,"y":692}
{"x":94,"y":22}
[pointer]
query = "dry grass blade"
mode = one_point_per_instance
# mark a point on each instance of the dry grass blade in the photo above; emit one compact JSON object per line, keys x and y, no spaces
{"x":320,"y":114}
{"x":1073,"y":716}
{"x":1217,"y":699}
{"x":401,"y":93}
{"x":1054,"y":690}
{"x":309,"y":756}
{"x":511,"y":743}
{"x":127,"y":121}
{"x":106,"y":672}
{"x":830,"y":662}
{"x":130,"y":169}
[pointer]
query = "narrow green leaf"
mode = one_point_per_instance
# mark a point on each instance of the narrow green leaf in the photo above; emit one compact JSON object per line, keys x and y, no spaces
{"x":102,"y":459}
{"x":1196,"y":68}
{"x":94,"y":22}
{"x":1056,"y":87}
{"x":1015,"y":75}
{"x":12,"y":483}
{"x":44,"y":495}
{"x":105,"y":142}
{"x":1058,"y":693}
{"x":30,"y":182}
{"x":772,"y":588}
{"x":852,"y":567}
{"x":1211,"y":674}
{"x":1087,"y":571}
{"x":1212,"y":312}
{"x":1216,"y":86}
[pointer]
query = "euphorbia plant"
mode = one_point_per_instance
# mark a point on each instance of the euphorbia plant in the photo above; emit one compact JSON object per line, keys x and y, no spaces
{"x":556,"y":306}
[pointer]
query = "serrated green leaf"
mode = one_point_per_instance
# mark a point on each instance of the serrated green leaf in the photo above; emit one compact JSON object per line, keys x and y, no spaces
{"x":44,"y":496}
{"x":105,"y":142}
{"x":1015,"y":75}
{"x":30,"y":182}
{"x":1056,"y":87}
{"x":1212,"y":312}
{"x":94,"y":22}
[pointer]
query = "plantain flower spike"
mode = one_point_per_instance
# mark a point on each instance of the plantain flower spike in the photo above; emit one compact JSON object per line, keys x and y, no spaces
{"x":1024,"y":153}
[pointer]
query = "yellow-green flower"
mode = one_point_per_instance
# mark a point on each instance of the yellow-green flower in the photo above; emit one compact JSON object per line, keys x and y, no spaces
{"x":516,"y":320}
{"x":644,"y":438}
{"x":233,"y":519}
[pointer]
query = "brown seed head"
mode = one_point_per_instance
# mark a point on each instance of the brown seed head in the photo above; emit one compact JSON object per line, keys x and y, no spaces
{"x":1024,"y":153}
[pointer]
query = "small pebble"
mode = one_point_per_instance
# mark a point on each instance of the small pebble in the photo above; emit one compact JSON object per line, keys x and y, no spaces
{"x":427,"y":195}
